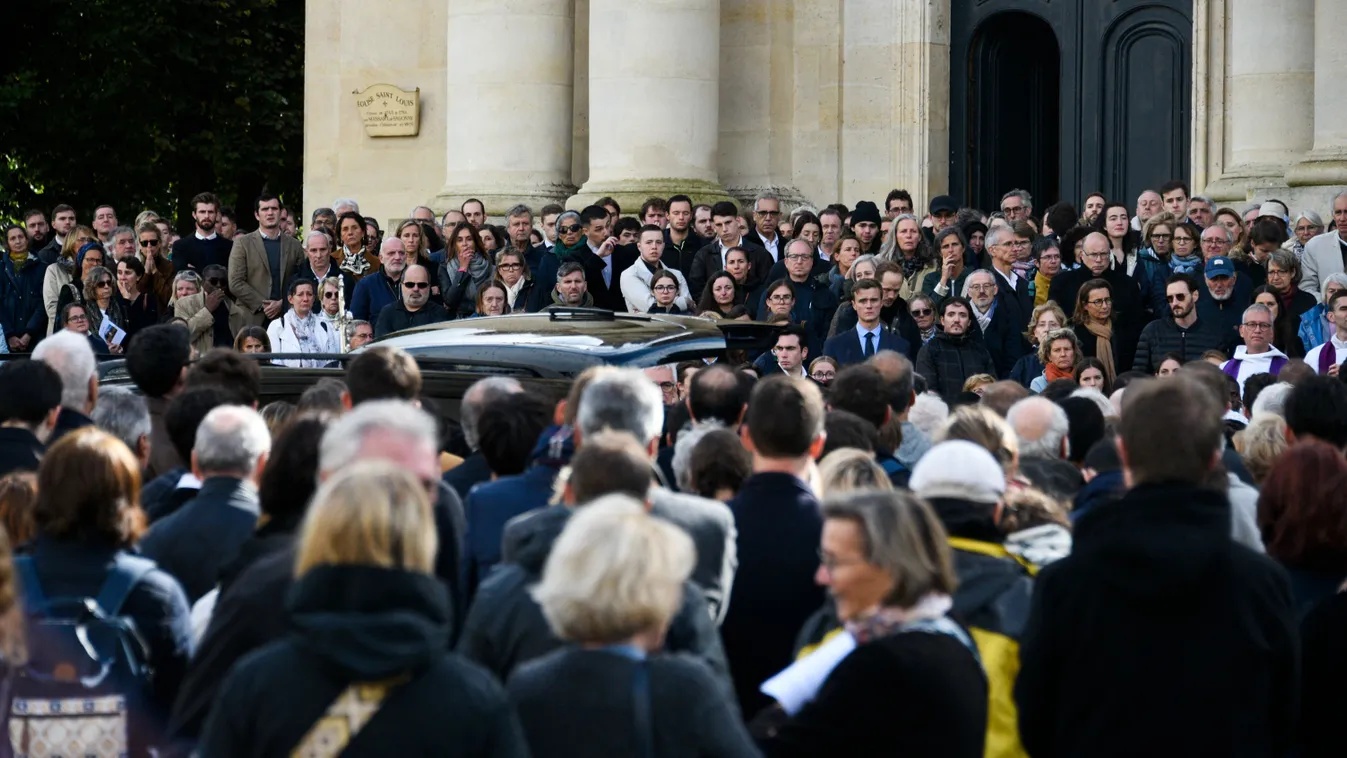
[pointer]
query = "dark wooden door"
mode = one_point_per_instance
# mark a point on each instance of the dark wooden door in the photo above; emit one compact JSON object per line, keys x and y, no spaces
{"x":1121,"y":96}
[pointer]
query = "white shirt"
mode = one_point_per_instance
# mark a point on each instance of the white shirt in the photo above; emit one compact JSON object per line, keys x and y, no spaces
{"x":861,"y":331}
{"x":1013,"y":280}
{"x":802,"y":375}
{"x":211,"y":237}
{"x":607,"y":264}
{"x":723,"y":248}
{"x":772,"y":246}
{"x":1340,"y":352}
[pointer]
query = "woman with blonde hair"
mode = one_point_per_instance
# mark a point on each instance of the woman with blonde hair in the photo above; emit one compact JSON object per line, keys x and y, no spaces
{"x":62,"y":273}
{"x":1261,"y":443}
{"x":612,"y":584}
{"x":981,"y":426}
{"x":848,"y":470}
{"x":1045,"y":319}
{"x":371,"y":644}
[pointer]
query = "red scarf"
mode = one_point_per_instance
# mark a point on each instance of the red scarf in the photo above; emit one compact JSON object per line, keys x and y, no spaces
{"x":1053,"y":373}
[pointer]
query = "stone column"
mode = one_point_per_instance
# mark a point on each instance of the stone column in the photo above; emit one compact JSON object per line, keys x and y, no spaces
{"x":654,"y":100}
{"x":1270,"y":92}
{"x":1326,"y":164}
{"x":510,"y":67}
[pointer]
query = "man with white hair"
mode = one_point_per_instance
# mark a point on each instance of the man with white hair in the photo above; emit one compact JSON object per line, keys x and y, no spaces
{"x":1324,"y":254}
{"x":124,"y":414}
{"x":474,"y":469}
{"x":399,"y":432}
{"x":72,"y":358}
{"x":1043,"y":430}
{"x":195,"y":542}
{"x":345,"y":205}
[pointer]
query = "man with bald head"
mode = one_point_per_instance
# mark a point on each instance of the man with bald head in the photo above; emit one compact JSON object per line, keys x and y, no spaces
{"x":416,"y":308}
{"x":376,"y":291}
{"x":1096,"y":255}
{"x":1149,"y":203}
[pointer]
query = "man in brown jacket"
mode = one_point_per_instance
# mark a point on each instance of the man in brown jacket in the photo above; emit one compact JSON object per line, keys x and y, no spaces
{"x":261,"y":262}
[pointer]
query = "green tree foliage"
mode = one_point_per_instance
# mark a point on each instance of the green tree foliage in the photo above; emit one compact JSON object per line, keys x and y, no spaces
{"x":144,"y":103}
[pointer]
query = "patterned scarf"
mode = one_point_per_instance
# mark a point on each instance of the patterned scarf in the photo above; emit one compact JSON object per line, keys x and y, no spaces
{"x":304,"y":329}
{"x":910,"y":266}
{"x":889,"y":620}
{"x":354,"y":262}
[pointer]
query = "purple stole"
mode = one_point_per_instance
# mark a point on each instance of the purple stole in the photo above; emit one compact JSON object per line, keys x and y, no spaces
{"x":1232,"y":366}
{"x":1327,"y":357}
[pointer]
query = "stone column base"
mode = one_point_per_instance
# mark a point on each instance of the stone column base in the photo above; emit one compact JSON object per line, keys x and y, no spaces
{"x":1238,"y":183}
{"x":631,"y":193}
{"x":498,"y":200}
{"x":1320,"y":168}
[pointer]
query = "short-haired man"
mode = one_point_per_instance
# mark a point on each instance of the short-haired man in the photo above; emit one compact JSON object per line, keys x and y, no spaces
{"x":359,"y":333}
{"x":1328,"y":357}
{"x":702,"y":222}
{"x":1008,"y":246}
{"x":1180,"y":331}
{"x":777,"y":517}
{"x":681,"y":240}
{"x":870,"y":334}
{"x":815,"y":302}
{"x":474,"y":212}
{"x":30,"y":402}
{"x":766,"y":219}
{"x":1325,"y":253}
{"x":157,"y":362}
{"x":1200,"y":211}
{"x":1316,"y":409}
{"x":1174,"y":195}
{"x":62,"y":224}
{"x":205,"y":246}
{"x":1227,"y":295}
{"x":122,"y":243}
{"x":1017,"y":205}
{"x":228,"y":225}
{"x":378,"y":289}
{"x":789,"y":355}
{"x":862,"y":389}
{"x":1086,"y":625}
{"x":548,"y":216}
{"x":416,"y":308}
{"x":571,"y":290}
{"x":1096,"y":252}
{"x":319,"y":265}
{"x":1257,"y":355}
{"x":519,"y":227}
{"x":896,"y":203}
{"x":830,"y":224}
{"x":105,"y":220}
{"x":604,"y":261}
{"x":36,"y":227}
{"x":995,"y":320}
{"x":711,"y":258}
{"x":1149,"y":203}
{"x":474,"y":470}
{"x":953,"y":354}
{"x":261,"y":262}
{"x":199,"y":539}
{"x":322,"y":219}
{"x":123,"y":414}
{"x":655,"y":210}
{"x":345,"y":205}
{"x":73,"y":359}
{"x":944,"y":212}
{"x":636,"y":280}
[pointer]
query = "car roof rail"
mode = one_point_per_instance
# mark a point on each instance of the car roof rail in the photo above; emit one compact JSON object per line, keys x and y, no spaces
{"x":567,"y":313}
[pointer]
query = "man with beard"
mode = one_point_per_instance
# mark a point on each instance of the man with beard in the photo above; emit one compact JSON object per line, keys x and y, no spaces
{"x":416,"y":308}
{"x":702,"y":222}
{"x":62,"y":223}
{"x":1181,"y":332}
{"x":205,"y":247}
{"x":998,"y":328}
{"x":39,"y":233}
{"x":572,"y":290}
{"x":1096,"y":255}
{"x":952,"y":355}
{"x":681,"y":241}
{"x":1222,"y":305}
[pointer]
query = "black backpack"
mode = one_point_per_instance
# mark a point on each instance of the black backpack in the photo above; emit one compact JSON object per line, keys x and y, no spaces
{"x":84,"y":660}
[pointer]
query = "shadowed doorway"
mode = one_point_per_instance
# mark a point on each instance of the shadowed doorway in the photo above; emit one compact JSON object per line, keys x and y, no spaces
{"x":1013,"y":111}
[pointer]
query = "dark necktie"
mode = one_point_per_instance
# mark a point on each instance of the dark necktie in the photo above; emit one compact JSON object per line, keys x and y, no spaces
{"x":869,"y":344}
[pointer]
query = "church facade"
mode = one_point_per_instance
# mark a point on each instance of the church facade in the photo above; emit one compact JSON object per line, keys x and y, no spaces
{"x":820,"y":101}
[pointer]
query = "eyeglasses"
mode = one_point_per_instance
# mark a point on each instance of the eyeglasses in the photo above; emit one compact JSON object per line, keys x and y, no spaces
{"x":1257,"y":326}
{"x":416,"y":285}
{"x":921,"y":312}
{"x":509,"y":266}
{"x":832,"y":563}
{"x":572,"y":229}
{"x":80,"y":317}
{"x":1050,"y":258}
{"x":981,"y":287}
{"x":149,"y":243}
{"x":665,"y":288}
{"x":1178,"y":239}
{"x":1101,"y":302}
{"x":781,"y":298}
{"x":1162,"y":236}
{"x":798,"y":257}
{"x":1018,"y":243}
{"x":1276,"y":272}
{"x":768,"y":213}
{"x":1213,"y":242}
{"x":667,"y":386}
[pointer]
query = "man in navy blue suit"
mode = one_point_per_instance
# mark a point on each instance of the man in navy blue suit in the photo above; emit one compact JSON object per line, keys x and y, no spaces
{"x":870,"y":335}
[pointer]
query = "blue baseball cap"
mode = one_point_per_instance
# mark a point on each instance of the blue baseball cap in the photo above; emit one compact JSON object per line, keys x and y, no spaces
{"x":1220,"y":266}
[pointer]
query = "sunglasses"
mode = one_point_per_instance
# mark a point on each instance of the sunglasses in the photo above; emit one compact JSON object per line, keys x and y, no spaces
{"x":149,"y":243}
{"x":104,"y":283}
{"x":329,"y":296}
{"x":416,"y":285}
{"x":921,"y":311}
{"x":217,"y":281}
{"x":572,"y":229}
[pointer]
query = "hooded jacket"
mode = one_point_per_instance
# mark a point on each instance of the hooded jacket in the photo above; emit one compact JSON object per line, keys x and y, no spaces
{"x":505,"y":627}
{"x":1184,"y":640}
{"x":355,"y":624}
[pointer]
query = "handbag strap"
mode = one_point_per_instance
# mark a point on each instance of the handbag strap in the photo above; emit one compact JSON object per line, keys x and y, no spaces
{"x":354,"y":707}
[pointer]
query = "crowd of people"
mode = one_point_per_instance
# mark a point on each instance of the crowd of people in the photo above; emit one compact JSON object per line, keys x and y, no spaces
{"x":1004,"y":485}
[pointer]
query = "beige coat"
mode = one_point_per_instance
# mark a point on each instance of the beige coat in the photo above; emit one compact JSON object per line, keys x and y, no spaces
{"x":201,"y":322}
{"x":250,"y":274}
